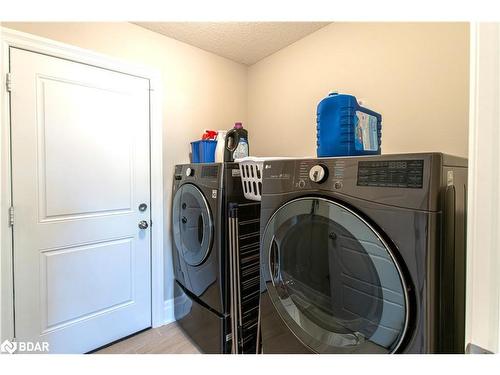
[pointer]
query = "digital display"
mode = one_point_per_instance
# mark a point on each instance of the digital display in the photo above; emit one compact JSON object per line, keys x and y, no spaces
{"x":209,"y":171}
{"x":391,"y":173}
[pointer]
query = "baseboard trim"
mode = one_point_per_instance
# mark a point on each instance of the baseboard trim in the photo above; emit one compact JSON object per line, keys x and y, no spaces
{"x":168,"y":311}
{"x":179,"y":303}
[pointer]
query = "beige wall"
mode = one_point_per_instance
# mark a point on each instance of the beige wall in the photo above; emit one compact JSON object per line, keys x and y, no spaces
{"x":415,"y":74}
{"x":201,"y":90}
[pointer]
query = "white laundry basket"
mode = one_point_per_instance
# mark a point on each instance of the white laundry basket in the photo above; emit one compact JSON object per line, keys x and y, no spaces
{"x":251,"y":176}
{"x":251,"y":169}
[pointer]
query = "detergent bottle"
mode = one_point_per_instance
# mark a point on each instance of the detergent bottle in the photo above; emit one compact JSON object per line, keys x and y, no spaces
{"x":221,"y":145}
{"x":236,"y":143}
{"x":345,"y":128}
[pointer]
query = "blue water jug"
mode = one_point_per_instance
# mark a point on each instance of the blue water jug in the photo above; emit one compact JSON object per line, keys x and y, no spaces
{"x":344,"y":128}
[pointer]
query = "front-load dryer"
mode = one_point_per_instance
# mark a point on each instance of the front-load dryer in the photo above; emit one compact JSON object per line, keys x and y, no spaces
{"x":363,"y":254}
{"x":201,"y":196}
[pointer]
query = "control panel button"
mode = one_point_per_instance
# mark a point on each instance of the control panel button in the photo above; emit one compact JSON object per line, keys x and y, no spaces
{"x":302,"y":184}
{"x":337,"y":185}
{"x":318,"y":173}
{"x":189,"y":172}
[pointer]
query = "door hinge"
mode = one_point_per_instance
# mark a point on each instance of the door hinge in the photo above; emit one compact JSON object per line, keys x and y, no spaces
{"x":8,"y":82}
{"x":11,"y":216}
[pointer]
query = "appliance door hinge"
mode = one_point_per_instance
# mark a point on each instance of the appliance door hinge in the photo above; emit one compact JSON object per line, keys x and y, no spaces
{"x":8,"y":82}
{"x":11,"y":216}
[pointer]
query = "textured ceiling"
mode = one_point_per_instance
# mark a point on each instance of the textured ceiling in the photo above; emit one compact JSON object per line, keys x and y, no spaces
{"x":243,"y":42}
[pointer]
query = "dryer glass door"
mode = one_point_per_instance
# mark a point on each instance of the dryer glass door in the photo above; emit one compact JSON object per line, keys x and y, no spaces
{"x":333,"y":279}
{"x":192,"y":224}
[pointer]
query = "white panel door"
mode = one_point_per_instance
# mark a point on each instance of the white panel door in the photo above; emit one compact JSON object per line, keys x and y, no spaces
{"x":80,"y":169}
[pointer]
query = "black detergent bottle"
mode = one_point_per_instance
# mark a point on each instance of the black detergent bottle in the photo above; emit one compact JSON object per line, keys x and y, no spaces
{"x":236,"y":146}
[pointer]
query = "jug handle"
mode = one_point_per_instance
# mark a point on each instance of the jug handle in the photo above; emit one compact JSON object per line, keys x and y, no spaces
{"x":236,"y":137}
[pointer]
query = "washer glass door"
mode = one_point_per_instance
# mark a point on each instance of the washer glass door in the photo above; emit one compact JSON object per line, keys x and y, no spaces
{"x":333,"y":279}
{"x":192,"y":224}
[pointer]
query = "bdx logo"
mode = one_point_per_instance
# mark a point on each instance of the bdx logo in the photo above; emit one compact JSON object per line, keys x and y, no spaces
{"x":11,"y":347}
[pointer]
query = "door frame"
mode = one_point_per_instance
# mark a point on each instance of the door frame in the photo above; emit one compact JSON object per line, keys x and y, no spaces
{"x":483,"y":239}
{"x":12,"y":38}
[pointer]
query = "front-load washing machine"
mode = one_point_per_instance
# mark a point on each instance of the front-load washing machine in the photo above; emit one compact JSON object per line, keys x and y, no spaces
{"x":363,"y":254}
{"x":202,"y":194}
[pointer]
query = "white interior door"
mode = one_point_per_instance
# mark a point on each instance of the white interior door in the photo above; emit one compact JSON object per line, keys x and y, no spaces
{"x":80,"y":169}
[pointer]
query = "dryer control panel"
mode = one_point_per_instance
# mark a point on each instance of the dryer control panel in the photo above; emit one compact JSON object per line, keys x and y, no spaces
{"x":203,"y":174}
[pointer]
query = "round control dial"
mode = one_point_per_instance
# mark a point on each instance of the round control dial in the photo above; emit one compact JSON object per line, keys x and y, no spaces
{"x":189,"y":172}
{"x":318,"y":173}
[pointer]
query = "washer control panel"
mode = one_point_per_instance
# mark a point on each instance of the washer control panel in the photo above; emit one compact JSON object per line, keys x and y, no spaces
{"x":318,"y":174}
{"x":406,"y":180}
{"x":311,"y":173}
{"x":391,"y":173}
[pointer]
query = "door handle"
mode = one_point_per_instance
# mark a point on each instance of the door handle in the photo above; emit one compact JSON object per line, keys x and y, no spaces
{"x":143,"y":224}
{"x":274,"y":259}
